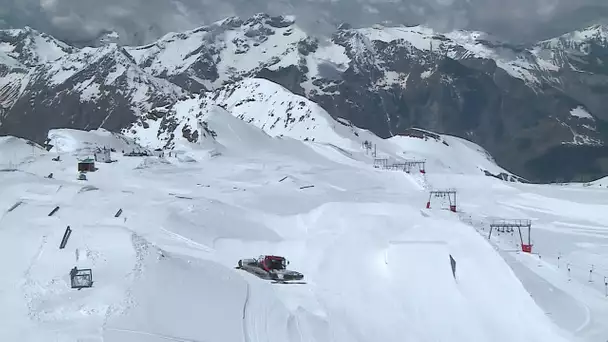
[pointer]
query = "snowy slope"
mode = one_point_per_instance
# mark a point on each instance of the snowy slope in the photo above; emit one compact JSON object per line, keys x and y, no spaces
{"x":183,"y":226}
{"x":533,"y":64}
{"x":233,"y":48}
{"x":459,"y":45}
{"x":200,"y":123}
{"x":13,"y":80}
{"x":15,"y":151}
{"x":602,"y":182}
{"x":30,"y":47}
{"x":79,"y":142}
{"x":259,"y":102}
{"x":89,"y":89}
{"x":279,"y":112}
{"x":579,"y":40}
{"x":8,"y":61}
{"x":569,"y":50}
{"x":122,"y":70}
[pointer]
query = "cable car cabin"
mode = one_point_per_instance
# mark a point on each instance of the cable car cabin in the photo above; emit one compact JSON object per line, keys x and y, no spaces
{"x":87,"y":165}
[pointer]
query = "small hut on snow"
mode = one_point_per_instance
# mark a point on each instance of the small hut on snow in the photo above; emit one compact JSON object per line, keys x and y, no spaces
{"x":86,"y":165}
{"x":102,"y":155}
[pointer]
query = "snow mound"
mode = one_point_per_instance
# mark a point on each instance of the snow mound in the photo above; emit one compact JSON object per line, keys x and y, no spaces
{"x":600,"y":183}
{"x":425,"y":256}
{"x":444,"y":153}
{"x":406,"y":273}
{"x":234,"y":133}
{"x":149,"y":162}
{"x":216,"y":300}
{"x":14,"y":151}
{"x":242,"y":138}
{"x":85,"y":142}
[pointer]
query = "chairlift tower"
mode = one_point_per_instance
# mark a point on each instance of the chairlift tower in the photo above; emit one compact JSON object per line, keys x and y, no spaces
{"x":367,"y":146}
{"x":450,"y":194}
{"x":412,"y":164}
{"x":407,"y":166}
{"x":380,"y":163}
{"x":511,"y":225}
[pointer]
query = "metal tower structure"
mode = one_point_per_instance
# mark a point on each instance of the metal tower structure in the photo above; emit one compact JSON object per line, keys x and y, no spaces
{"x":449,"y":193}
{"x":510,"y":225}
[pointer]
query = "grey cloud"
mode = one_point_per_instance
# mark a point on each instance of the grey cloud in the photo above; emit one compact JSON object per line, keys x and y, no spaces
{"x":139,"y":21}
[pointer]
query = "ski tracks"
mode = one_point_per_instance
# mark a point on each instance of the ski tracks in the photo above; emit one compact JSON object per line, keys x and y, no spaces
{"x":187,"y":241}
{"x":245,"y":304}
{"x":29,"y":284}
{"x":165,"y":337}
{"x":256,"y":312}
{"x":142,"y":250}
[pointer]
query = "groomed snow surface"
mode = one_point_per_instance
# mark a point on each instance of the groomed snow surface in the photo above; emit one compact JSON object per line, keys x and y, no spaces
{"x":376,"y":263}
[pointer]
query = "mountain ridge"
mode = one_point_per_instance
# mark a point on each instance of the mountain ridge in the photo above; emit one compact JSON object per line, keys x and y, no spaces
{"x":504,"y":97}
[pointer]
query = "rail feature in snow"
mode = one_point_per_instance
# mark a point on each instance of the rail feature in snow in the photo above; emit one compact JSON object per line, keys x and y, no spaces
{"x":180,"y":196}
{"x":14,"y":206}
{"x":118,"y":213}
{"x":509,"y":225}
{"x":66,"y":237}
{"x":450,"y":194}
{"x":53,"y":211}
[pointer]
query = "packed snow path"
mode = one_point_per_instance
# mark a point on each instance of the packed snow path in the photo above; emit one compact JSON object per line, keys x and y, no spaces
{"x":376,"y":264}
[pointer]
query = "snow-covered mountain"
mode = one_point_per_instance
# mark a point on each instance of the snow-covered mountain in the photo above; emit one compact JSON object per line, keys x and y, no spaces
{"x":516,"y":101}
{"x":30,"y":48}
{"x":89,"y":88}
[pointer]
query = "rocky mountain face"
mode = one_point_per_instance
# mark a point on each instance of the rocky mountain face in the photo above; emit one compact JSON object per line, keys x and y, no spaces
{"x":47,"y":85}
{"x":538,"y":109}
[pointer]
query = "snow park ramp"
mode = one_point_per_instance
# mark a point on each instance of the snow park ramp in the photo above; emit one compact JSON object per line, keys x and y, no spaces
{"x":422,"y":280}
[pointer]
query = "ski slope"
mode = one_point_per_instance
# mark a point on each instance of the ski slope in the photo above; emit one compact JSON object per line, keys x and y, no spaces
{"x":376,"y":264}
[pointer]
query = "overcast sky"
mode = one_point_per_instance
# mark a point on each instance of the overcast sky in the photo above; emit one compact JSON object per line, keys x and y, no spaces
{"x":139,"y":21}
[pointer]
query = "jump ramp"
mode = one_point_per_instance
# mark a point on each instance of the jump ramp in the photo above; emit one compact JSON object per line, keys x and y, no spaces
{"x":428,"y":261}
{"x":422,"y":277}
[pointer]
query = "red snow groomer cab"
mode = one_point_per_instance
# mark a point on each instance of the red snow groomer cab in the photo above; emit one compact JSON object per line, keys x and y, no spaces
{"x":270,"y":267}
